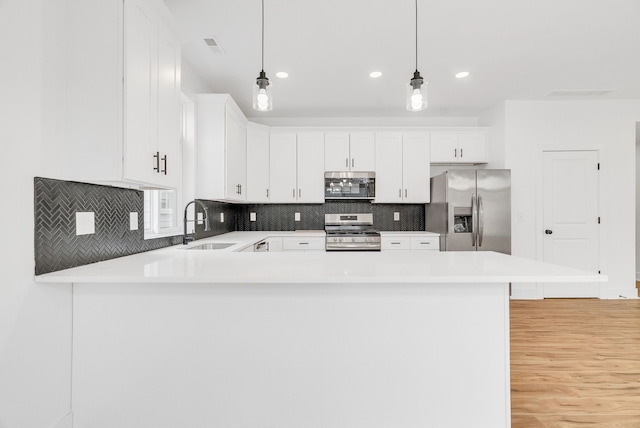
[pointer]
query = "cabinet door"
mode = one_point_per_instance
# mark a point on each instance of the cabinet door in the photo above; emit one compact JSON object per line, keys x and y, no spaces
{"x":257,"y":165}
{"x":311,"y":167}
{"x":416,"y":167}
{"x":282,"y":168}
{"x":140,"y":78}
{"x":168,"y":129}
{"x":388,"y":167}
{"x":362,"y":151}
{"x":472,"y":147}
{"x":336,"y":151}
{"x":444,"y":147}
{"x":236,"y":179}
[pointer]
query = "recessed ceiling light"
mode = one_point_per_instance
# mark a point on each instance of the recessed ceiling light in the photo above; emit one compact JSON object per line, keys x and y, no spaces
{"x":462,"y":74}
{"x":375,"y":74}
{"x":282,"y":74}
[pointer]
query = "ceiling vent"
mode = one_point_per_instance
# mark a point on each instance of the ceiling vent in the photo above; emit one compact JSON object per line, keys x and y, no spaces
{"x":213,"y":45}
{"x":580,"y":93}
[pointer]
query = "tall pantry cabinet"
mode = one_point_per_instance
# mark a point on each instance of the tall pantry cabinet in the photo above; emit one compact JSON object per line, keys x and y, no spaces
{"x":119,"y":80}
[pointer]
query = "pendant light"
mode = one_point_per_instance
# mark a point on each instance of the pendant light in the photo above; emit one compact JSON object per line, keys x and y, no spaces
{"x":417,"y":87}
{"x":262,"y":98}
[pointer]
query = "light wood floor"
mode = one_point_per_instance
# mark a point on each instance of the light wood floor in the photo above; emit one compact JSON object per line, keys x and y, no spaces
{"x":575,"y":363}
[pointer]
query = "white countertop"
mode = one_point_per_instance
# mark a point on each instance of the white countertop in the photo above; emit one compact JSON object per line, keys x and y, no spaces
{"x":178,"y":264}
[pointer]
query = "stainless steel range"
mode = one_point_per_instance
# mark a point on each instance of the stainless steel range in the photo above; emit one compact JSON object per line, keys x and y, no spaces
{"x":351,"y":232}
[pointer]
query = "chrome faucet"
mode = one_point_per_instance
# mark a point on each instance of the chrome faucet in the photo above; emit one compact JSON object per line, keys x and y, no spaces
{"x":186,"y":238}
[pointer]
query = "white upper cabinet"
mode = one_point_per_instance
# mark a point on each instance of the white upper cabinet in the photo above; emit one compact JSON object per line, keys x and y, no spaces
{"x":349,"y":151}
{"x":296,"y":167}
{"x":283,"y":181}
{"x":152,"y":149}
{"x":257,"y":163}
{"x":402,"y":167}
{"x":416,"y":170}
{"x":311,"y":167}
{"x":121,"y":80}
{"x":459,"y":147}
{"x":221,"y":150}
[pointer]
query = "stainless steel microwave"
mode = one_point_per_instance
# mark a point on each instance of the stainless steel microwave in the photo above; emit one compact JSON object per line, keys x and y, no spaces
{"x":349,"y":185}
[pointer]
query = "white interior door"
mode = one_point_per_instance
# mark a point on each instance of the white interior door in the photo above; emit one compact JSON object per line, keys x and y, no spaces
{"x":570,"y":217}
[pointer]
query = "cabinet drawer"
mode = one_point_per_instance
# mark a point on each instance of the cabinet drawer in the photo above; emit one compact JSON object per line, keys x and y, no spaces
{"x":303,"y":244}
{"x":399,"y":243}
{"x":430,"y":243}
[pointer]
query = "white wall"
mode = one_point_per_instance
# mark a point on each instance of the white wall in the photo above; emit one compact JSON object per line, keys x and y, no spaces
{"x":609,"y":126}
{"x":638,"y":201}
{"x":35,"y":320}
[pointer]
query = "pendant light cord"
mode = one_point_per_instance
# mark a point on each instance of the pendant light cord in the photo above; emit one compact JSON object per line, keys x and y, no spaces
{"x":263,"y":35}
{"x":416,"y":34}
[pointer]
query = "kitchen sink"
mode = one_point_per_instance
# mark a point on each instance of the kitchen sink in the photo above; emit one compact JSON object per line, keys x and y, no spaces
{"x":212,"y":246}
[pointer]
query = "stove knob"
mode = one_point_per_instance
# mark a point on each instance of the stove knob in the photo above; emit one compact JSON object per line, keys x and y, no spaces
{"x":339,"y":239}
{"x":353,"y":239}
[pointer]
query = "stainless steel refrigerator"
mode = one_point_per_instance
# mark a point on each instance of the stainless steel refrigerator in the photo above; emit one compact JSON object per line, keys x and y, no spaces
{"x":471,"y":210}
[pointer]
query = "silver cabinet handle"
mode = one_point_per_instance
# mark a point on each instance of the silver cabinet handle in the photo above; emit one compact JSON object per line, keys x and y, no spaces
{"x":353,"y":163}
{"x":240,"y":189}
{"x":293,"y":193}
{"x":455,"y":153}
{"x":480,"y":221}
{"x":474,"y":220}
{"x":267,"y":193}
{"x":304,"y":243}
{"x":460,"y":152}
{"x":394,"y":243}
{"x":405,"y":193}
{"x":400,"y":193}
{"x":346,"y":162}
{"x":157,"y":158}
{"x":164,"y":160}
{"x":299,"y":193}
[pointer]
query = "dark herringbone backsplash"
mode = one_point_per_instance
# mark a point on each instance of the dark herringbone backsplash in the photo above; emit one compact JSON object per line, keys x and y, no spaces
{"x":56,"y":202}
{"x":56,"y":245}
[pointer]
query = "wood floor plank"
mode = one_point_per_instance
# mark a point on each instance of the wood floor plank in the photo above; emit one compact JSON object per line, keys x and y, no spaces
{"x":575,"y":363}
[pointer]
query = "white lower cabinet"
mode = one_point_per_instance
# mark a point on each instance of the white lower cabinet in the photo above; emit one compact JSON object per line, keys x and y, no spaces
{"x":274,"y":244}
{"x":409,"y":241}
{"x":295,"y":243}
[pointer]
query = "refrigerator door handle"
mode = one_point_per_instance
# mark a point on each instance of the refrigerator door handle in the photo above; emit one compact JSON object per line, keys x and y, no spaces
{"x":480,"y":221}
{"x":474,"y":220}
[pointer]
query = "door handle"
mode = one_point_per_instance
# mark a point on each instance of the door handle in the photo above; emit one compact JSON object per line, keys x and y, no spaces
{"x":548,"y":232}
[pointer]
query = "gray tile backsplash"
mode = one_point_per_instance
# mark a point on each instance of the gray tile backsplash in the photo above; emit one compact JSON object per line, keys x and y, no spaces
{"x":56,"y":203}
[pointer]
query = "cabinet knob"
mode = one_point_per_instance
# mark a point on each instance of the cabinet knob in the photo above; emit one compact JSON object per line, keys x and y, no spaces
{"x":548,"y":231}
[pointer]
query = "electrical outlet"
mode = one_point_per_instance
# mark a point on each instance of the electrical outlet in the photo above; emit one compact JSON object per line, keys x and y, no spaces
{"x":200,"y":218}
{"x":85,"y":223}
{"x":252,"y":216}
{"x":221,"y":217}
{"x":396,"y":216}
{"x":297,"y":216}
{"x":133,"y":221}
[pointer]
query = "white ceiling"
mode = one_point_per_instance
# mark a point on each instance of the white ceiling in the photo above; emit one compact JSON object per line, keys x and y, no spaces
{"x":514,"y":49}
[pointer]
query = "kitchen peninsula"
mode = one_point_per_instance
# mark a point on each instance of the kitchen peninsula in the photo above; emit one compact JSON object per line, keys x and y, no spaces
{"x":221,"y":338}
